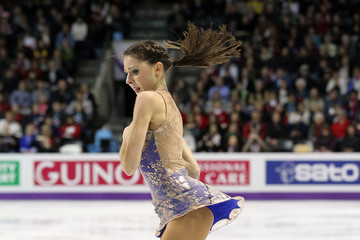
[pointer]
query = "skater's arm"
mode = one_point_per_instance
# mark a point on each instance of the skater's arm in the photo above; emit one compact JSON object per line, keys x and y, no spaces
{"x":190,"y":163}
{"x":134,"y":135}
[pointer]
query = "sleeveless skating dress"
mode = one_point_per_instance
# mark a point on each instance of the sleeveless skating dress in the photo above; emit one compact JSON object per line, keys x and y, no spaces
{"x":173,"y":191}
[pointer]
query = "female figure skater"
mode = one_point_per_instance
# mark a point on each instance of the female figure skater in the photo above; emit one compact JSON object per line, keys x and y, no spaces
{"x":188,"y":209}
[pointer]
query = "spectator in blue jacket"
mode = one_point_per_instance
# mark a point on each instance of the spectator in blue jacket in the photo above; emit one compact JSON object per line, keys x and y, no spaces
{"x":22,"y":97}
{"x":103,"y":137}
{"x":64,"y":34}
{"x":27,"y":141}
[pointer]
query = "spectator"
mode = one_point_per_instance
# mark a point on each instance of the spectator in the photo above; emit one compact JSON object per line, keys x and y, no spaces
{"x":36,"y":118}
{"x":85,"y":104}
{"x":10,"y":81}
{"x":229,"y":71}
{"x":351,"y":141}
{"x":238,"y":115}
{"x":31,"y":82}
{"x":104,"y":141}
{"x":79,"y":115}
{"x":318,"y":123}
{"x":45,"y":141}
{"x":4,"y":105}
{"x":22,"y":98}
{"x":221,"y":115}
{"x":29,"y":41}
{"x":79,"y":30}
{"x":22,"y":63}
{"x":254,"y":132}
{"x":339,"y":124}
{"x":88,"y":96}
{"x":328,"y":47}
{"x":27,"y":141}
{"x":279,"y":77}
{"x":63,"y":94}
{"x":192,"y":127}
{"x":34,"y":69}
{"x":209,"y":104}
{"x":304,"y":73}
{"x":10,"y":133}
{"x":223,"y":90}
{"x":18,"y":116}
{"x":57,"y":115}
{"x":246,"y":80}
{"x":283,"y":93}
{"x":41,"y":90}
{"x":70,"y":131}
{"x":271,"y":102}
{"x":352,"y":106}
{"x":233,"y":128}
{"x":190,"y":140}
{"x":182,"y":91}
{"x":211,"y":141}
{"x":53,"y":74}
{"x":68,"y":56}
{"x":241,"y":92}
{"x":4,"y":60}
{"x":64,"y":34}
{"x":233,"y":144}
{"x":299,"y":121}
{"x":332,"y":100}
{"x":337,"y":82}
{"x":258,"y":95}
{"x":301,"y":92}
{"x":325,"y":141}
{"x":41,"y":54}
{"x":276,"y":133}
{"x":314,"y":103}
{"x":354,"y":83}
{"x":200,"y":118}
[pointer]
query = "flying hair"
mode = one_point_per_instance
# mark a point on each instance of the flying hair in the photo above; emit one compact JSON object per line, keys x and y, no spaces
{"x":201,"y":48}
{"x":205,"y":47}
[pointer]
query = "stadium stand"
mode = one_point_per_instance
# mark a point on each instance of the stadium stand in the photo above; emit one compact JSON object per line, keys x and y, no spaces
{"x":296,"y":86}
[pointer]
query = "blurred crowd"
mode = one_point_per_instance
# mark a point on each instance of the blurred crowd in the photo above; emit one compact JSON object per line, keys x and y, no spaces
{"x":296,"y":86}
{"x":42,"y":106}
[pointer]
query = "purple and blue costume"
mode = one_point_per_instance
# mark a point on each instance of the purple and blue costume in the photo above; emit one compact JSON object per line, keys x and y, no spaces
{"x":173,"y":191}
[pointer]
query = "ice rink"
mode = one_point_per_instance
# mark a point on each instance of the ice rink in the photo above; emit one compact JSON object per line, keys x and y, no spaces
{"x":130,"y":220}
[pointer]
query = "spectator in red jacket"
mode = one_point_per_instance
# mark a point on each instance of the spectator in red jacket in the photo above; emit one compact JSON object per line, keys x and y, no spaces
{"x":255,"y":125}
{"x":4,"y":105}
{"x":221,"y":115}
{"x":70,"y":131}
{"x":339,"y":125}
{"x":254,"y":132}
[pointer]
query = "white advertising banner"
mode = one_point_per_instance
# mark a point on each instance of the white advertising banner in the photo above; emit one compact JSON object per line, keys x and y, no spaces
{"x":257,"y":176}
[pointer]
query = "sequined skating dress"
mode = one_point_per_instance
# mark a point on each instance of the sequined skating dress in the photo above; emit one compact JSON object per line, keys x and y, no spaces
{"x":173,"y":191}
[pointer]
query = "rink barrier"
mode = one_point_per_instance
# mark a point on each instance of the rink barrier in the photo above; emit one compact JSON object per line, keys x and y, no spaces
{"x":147,"y":196}
{"x":272,"y":176}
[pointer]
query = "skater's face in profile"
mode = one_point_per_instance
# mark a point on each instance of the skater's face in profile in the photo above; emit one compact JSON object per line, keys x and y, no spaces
{"x":141,"y":76}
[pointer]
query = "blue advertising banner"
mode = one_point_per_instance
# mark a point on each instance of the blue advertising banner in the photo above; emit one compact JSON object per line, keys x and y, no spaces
{"x":312,"y":172}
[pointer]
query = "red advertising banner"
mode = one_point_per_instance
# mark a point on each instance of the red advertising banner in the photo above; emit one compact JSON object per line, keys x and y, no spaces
{"x":83,"y":173}
{"x":109,"y":173}
{"x":228,"y":173}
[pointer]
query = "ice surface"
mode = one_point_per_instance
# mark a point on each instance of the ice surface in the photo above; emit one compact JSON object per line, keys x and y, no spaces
{"x":130,"y":220}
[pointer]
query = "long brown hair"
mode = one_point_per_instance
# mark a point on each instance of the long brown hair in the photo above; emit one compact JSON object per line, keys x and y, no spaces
{"x":205,"y":48}
{"x":200,"y":47}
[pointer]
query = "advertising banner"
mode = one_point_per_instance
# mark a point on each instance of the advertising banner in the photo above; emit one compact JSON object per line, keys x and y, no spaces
{"x":312,"y":172}
{"x":83,"y":173}
{"x":9,"y":173}
{"x":253,"y":176}
{"x":230,"y":173}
